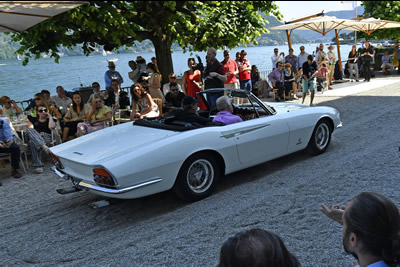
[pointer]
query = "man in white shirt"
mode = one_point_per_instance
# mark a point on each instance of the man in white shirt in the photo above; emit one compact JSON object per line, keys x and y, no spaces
{"x":301,"y":58}
{"x":61,"y":100}
{"x":277,"y":58}
{"x":167,"y":88}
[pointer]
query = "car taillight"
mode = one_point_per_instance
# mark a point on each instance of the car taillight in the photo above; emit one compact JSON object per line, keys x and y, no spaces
{"x":56,"y":161}
{"x":103,"y":177}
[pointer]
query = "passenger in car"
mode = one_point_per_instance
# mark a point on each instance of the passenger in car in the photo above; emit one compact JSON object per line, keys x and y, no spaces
{"x":173,"y":98}
{"x":225,"y":111}
{"x":189,"y":112}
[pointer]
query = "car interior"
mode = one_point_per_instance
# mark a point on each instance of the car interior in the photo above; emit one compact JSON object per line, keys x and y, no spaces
{"x":245,"y":105}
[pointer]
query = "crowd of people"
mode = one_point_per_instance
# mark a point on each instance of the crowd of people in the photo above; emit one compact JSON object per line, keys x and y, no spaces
{"x":316,"y":71}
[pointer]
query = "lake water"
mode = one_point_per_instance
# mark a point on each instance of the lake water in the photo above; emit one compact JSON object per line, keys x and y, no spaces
{"x":22,"y":82}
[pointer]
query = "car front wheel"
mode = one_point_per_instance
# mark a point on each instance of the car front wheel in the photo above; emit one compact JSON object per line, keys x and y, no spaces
{"x":198,"y":177}
{"x":320,"y":138}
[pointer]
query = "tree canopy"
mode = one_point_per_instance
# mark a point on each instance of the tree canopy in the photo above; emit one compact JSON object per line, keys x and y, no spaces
{"x":387,"y":10}
{"x":194,"y":25}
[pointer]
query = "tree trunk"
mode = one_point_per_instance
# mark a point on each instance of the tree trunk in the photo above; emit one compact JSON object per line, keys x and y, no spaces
{"x":164,"y":58}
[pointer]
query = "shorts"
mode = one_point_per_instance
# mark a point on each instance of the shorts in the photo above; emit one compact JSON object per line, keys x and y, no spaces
{"x":306,"y":85}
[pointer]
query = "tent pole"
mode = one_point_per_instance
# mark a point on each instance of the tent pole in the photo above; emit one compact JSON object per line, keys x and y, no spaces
{"x":338,"y":51}
{"x":288,"y":38}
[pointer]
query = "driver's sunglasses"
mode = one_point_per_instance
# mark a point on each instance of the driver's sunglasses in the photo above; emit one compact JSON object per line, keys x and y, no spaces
{"x":42,"y":110}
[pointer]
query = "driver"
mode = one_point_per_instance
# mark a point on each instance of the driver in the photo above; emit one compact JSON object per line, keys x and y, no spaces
{"x":189,"y":112}
{"x":225,"y":111}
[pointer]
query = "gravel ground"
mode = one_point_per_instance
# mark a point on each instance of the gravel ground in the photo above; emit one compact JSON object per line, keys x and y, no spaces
{"x":43,"y":228}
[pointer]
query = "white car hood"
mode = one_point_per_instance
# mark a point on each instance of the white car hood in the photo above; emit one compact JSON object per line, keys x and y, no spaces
{"x":286,"y":107}
{"x":109,"y":142}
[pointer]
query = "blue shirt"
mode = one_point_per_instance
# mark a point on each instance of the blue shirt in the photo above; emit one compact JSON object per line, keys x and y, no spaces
{"x":5,"y":131}
{"x":276,"y":76}
{"x":109,"y":75}
{"x":377,"y":264}
{"x":227,"y":117}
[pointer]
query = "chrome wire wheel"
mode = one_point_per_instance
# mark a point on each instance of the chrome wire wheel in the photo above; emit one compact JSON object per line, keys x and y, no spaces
{"x":322,"y":136}
{"x":200,"y":176}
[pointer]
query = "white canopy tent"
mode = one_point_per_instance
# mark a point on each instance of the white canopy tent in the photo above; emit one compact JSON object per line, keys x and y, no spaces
{"x":17,"y":16}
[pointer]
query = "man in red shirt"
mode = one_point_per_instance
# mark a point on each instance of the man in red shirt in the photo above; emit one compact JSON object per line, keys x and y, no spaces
{"x":244,"y":72}
{"x":231,"y":70}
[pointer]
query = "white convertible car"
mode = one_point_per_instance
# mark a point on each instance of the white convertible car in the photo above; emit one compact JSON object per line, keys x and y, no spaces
{"x":145,"y":157}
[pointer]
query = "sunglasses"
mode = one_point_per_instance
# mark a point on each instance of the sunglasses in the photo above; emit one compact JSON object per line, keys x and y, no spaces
{"x":95,"y":86}
{"x":42,"y":110}
{"x":174,"y":90}
{"x":38,"y":98}
{"x":8,"y":102}
{"x":173,"y":77}
{"x":98,"y":101}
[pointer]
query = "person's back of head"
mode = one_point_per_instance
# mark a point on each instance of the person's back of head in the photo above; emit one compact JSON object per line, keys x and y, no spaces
{"x":256,"y":248}
{"x":375,"y":220}
{"x":223,"y":103}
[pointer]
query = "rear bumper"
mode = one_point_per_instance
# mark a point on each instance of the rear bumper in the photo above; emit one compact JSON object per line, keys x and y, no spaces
{"x":86,"y":186}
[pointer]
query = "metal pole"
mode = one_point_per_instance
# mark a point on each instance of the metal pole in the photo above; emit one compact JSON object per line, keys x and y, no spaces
{"x":355,"y":32}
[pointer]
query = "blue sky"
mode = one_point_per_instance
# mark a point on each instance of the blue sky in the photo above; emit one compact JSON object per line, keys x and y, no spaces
{"x":297,"y":9}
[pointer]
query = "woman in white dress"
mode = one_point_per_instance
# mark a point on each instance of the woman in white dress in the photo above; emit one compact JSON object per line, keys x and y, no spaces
{"x":142,"y":103}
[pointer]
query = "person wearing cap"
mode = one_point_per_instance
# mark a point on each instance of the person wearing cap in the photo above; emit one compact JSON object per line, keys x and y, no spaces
{"x":9,"y":106}
{"x":189,"y":112}
{"x":331,"y":65}
{"x":112,"y":74}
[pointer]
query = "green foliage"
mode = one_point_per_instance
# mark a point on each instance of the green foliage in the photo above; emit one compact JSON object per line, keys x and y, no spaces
{"x":194,"y":25}
{"x":387,"y":10}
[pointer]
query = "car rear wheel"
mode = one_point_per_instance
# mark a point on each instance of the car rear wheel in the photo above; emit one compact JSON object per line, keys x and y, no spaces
{"x":320,"y":138}
{"x":197,"y":177}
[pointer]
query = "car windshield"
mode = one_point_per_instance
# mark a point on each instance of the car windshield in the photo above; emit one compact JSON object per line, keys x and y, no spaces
{"x":240,"y":99}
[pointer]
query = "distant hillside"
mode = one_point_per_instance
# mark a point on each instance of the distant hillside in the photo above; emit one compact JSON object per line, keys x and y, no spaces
{"x":343,"y":14}
{"x":277,"y":37}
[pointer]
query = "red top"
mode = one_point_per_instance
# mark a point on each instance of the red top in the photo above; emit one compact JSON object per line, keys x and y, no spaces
{"x":244,"y":75}
{"x":230,"y":67}
{"x":192,"y":88}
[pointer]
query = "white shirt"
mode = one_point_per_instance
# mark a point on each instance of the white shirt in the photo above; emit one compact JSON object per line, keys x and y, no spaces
{"x":62,"y":103}
{"x":275,"y":59}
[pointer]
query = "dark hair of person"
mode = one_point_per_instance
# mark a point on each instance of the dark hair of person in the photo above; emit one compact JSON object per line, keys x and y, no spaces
{"x":44,"y":91}
{"x":310,"y":57}
{"x":256,"y":248}
{"x":74,"y":105}
{"x":95,"y":83}
{"x":278,"y":63}
{"x":153,"y":67}
{"x":134,"y":96}
{"x":114,"y":80}
{"x":375,"y":220}
{"x":43,"y":99}
{"x":37,"y":108}
{"x":173,"y":84}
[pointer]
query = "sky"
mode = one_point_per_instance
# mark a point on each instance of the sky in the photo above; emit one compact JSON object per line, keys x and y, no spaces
{"x":298,"y":9}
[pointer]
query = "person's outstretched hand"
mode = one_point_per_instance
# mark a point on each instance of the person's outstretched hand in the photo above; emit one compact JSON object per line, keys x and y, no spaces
{"x":335,"y":213}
